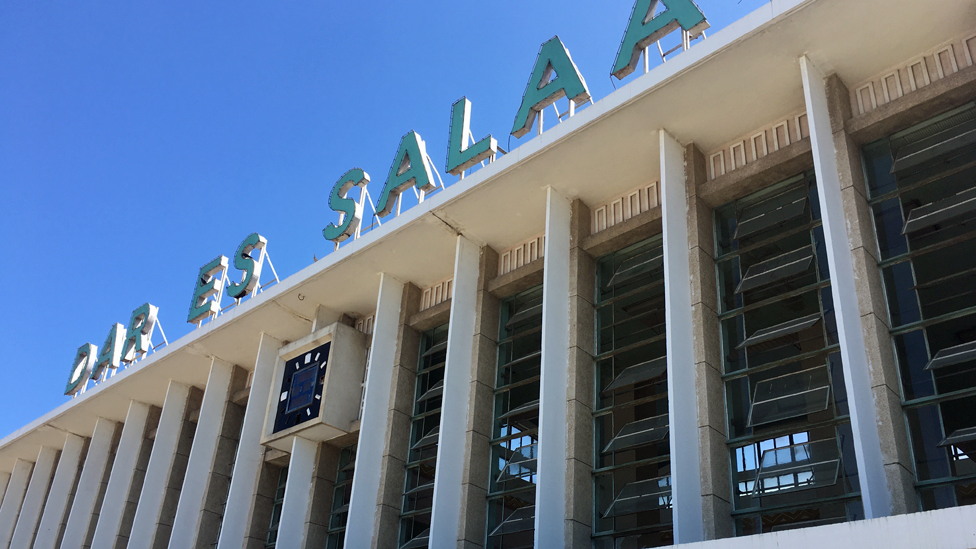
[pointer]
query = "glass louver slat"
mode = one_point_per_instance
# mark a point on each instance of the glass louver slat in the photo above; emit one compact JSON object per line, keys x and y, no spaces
{"x":776,"y":269}
{"x":758,"y":218}
{"x":642,"y":495}
{"x":521,"y":463}
{"x":435,"y":349}
{"x":639,"y":433}
{"x":937,"y":145}
{"x":790,"y":396}
{"x":342,"y":509}
{"x":524,"y":314}
{"x":937,"y":212}
{"x":422,"y":540}
{"x":652,"y":369}
{"x":428,"y":440}
{"x":435,"y":391}
{"x":636,"y":266}
{"x":798,"y":467}
{"x":422,"y":488}
{"x":522,"y":359}
{"x":959,"y":437}
{"x":952,"y":356}
{"x":527,"y":407}
{"x":521,"y":520}
{"x":780,"y":330}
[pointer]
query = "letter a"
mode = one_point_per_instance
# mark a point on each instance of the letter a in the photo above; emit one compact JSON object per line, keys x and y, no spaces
{"x":645,"y":29}
{"x":541,"y":92}
{"x":410,"y":167}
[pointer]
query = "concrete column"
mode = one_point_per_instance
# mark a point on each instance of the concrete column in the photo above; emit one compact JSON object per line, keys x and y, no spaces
{"x":550,"y":491}
{"x":13,"y":498}
{"x":864,"y":418}
{"x":323,"y":481}
{"x":30,"y":511}
{"x":57,"y":499}
{"x":96,"y":465}
{"x":373,"y":434}
{"x":445,"y":518}
{"x":123,"y":471}
{"x":712,"y":431}
{"x":686,"y":485}
{"x":160,"y":466}
{"x":4,"y":479}
{"x":474,"y":483}
{"x":250,"y":453}
{"x":202,"y":453}
{"x":295,"y":508}
{"x":580,"y":376}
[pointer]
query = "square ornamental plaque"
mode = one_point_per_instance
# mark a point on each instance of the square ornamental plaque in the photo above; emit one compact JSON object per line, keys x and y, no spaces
{"x":316,"y":387}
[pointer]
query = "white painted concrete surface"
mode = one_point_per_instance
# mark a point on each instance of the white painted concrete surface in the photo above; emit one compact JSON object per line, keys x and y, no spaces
{"x":13,"y":498}
{"x":57,"y":499}
{"x":298,"y":493}
{"x":30,"y":511}
{"x":445,"y":520}
{"x":91,"y":476}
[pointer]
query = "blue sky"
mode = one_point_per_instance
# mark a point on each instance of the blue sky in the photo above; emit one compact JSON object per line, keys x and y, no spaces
{"x":140,"y":140}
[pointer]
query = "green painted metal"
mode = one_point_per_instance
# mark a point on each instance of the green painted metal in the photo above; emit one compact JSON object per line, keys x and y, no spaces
{"x":644,"y":29}
{"x":352,"y":211}
{"x":206,"y":286}
{"x":111,"y":354}
{"x":410,"y":168}
{"x":540,"y":92}
{"x":138,"y":337}
{"x":459,"y":156}
{"x":250,"y":266}
{"x":80,"y":368}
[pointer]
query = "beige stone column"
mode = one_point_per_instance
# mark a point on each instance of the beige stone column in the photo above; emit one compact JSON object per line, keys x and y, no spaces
{"x":716,"y":488}
{"x":474,"y":487}
{"x":397,"y":444}
{"x":882,"y":368}
{"x":320,"y":502}
{"x":579,"y":396}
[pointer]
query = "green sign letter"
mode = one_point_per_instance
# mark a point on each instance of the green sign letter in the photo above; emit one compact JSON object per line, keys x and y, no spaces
{"x":352,"y":211}
{"x":80,"y":368}
{"x":410,"y":167}
{"x":251,"y":267}
{"x":459,"y":156}
{"x":644,"y":29}
{"x":138,"y":338}
{"x":200,"y":307}
{"x":541,"y":92}
{"x":111,"y":351}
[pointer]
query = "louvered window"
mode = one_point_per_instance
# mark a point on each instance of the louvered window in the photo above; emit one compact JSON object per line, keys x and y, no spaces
{"x":418,"y":490}
{"x":341,"y":494}
{"x":632,"y":472}
{"x":922,"y":192}
{"x":514,"y":440}
{"x":788,"y":425}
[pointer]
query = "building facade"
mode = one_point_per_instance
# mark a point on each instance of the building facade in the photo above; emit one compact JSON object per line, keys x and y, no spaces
{"x":731,"y":304}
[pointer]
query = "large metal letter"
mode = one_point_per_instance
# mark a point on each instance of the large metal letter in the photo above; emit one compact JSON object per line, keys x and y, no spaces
{"x":540,"y":92}
{"x":644,"y":29}
{"x":864,"y":422}
{"x":251,"y":266}
{"x":138,"y":338}
{"x":111,"y":354}
{"x":205,"y":285}
{"x":686,"y":496}
{"x":81,"y":368}
{"x":459,"y":155}
{"x":410,"y":168}
{"x":352,"y":211}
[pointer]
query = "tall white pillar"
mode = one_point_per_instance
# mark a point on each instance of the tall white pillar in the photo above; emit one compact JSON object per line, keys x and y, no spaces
{"x":202,"y":454}
{"x":550,"y":490}
{"x":13,"y":498}
{"x":250,"y":453}
{"x":445,"y":519}
{"x":298,"y":493}
{"x":123,"y":469}
{"x":30,"y":511}
{"x":4,"y":479}
{"x":864,"y":421}
{"x":686,"y":499}
{"x":83,"y":505}
{"x":160,"y":465}
{"x":369,"y":454}
{"x":57,"y":499}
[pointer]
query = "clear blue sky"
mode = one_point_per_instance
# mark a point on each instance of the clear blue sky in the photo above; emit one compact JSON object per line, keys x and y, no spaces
{"x":140,"y":140}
